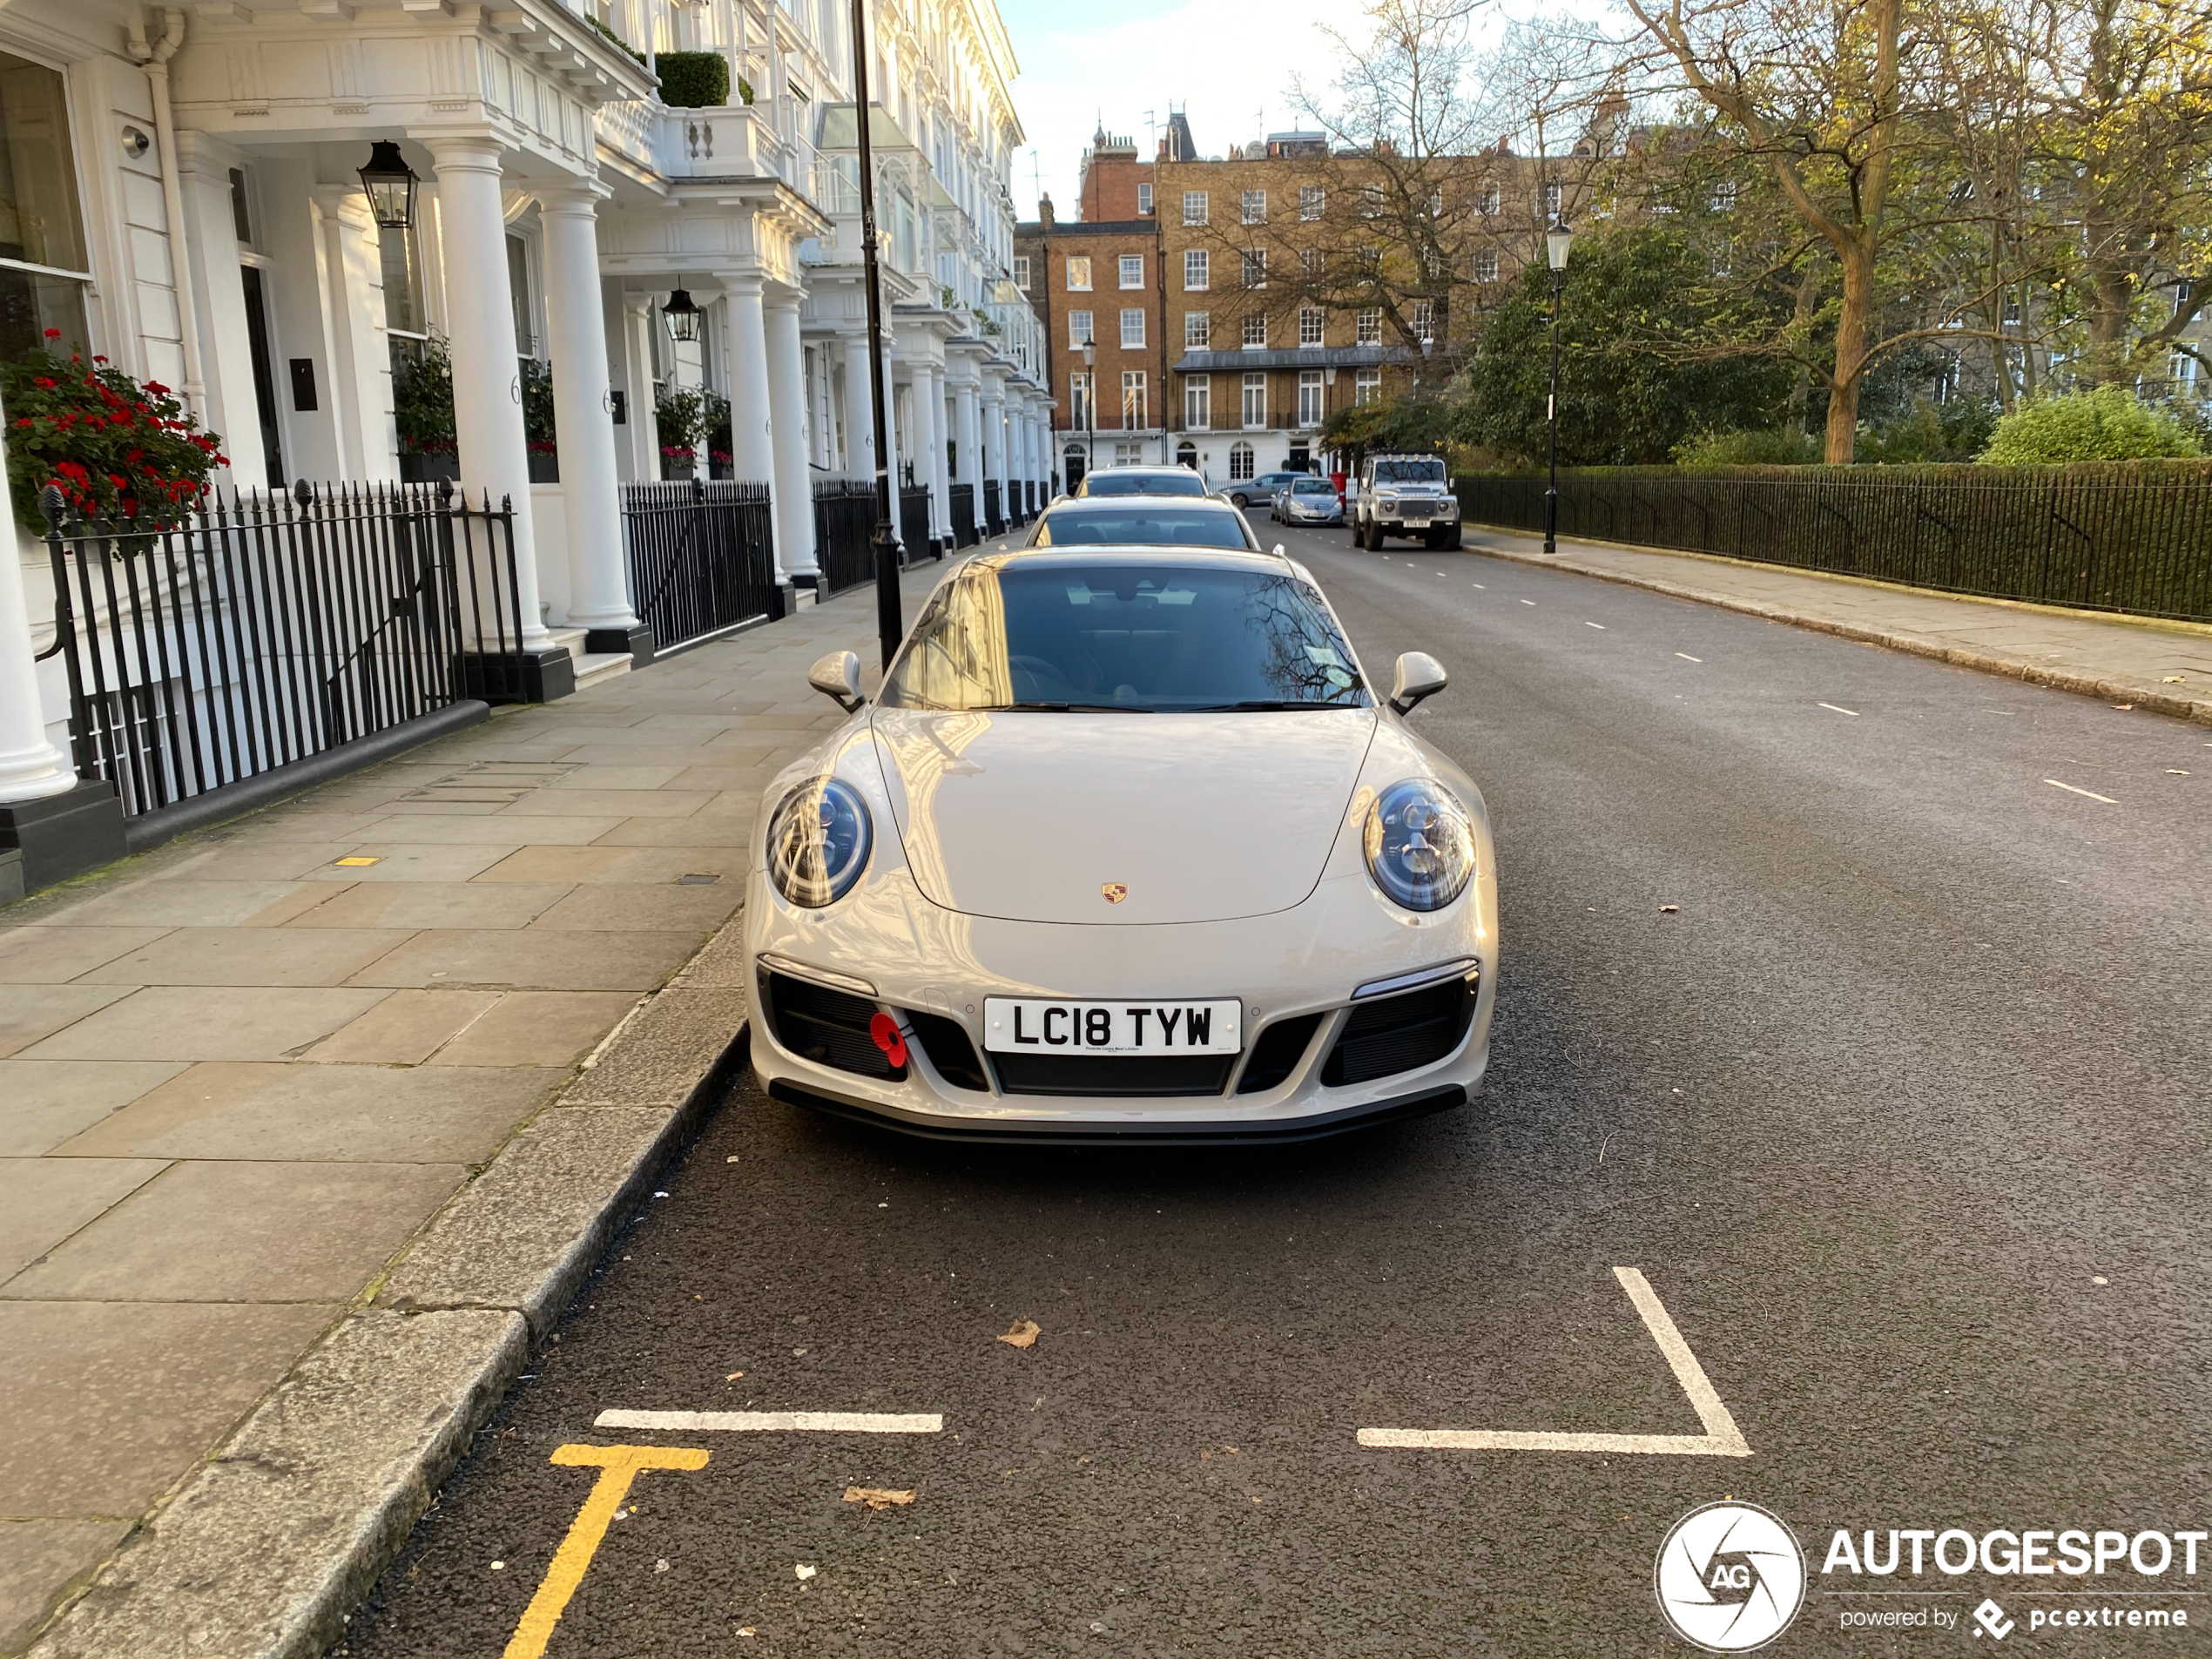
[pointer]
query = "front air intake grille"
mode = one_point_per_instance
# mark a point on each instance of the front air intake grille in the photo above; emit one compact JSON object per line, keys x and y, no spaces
{"x":1112,"y":1073}
{"x":1395,"y":1034}
{"x":830,"y":1028}
{"x":947,"y":1043}
{"x":1276,"y":1054}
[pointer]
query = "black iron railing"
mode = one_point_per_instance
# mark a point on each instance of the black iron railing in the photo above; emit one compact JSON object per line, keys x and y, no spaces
{"x":265,"y":629}
{"x":845,"y":533}
{"x":994,"y":520}
{"x":702,"y":556}
{"x":2114,"y":537}
{"x":914,"y":523}
{"x":962,"y":506}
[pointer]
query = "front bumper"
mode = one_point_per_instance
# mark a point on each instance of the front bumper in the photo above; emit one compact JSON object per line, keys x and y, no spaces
{"x":912,"y":957}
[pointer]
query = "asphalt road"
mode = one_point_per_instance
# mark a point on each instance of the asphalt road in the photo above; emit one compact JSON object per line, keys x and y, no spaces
{"x":1901,"y":1111}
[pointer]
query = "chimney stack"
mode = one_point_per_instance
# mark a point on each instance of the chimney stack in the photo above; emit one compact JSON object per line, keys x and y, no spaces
{"x":1044,"y":212}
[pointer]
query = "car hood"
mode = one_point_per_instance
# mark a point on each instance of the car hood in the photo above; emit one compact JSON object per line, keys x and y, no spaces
{"x":1199,"y":817}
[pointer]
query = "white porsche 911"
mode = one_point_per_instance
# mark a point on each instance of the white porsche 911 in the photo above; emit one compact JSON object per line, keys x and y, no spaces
{"x":1127,"y":849}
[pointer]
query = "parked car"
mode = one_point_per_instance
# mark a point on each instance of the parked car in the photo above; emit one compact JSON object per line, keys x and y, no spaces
{"x":1250,"y":491}
{"x":1310,"y":500}
{"x":1404,"y":496}
{"x":1141,"y":481}
{"x":1158,"y":521}
{"x":1020,"y":893}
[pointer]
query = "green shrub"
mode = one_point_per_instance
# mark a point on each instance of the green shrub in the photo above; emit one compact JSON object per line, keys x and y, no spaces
{"x":693,"y":80}
{"x":619,"y":44}
{"x":423,"y":398}
{"x":2110,"y":423}
{"x":1956,"y":429}
{"x":1778,"y":448}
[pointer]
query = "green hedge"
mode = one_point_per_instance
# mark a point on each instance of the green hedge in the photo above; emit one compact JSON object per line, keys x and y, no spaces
{"x":2132,"y":537}
{"x":693,"y":80}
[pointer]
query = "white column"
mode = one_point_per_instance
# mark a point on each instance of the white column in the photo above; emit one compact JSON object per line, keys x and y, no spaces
{"x":486,"y":379}
{"x":860,"y":411}
{"x":751,"y":453}
{"x":970,"y":448}
{"x":30,"y":768}
{"x":576,"y":326}
{"x":640,"y":444}
{"x":929,"y":441}
{"x":939,"y":466}
{"x":990,"y":453}
{"x":233,"y":408}
{"x":793,"y":489}
{"x":360,"y":393}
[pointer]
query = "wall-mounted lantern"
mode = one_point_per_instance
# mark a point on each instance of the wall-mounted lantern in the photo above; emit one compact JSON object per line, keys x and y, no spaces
{"x":681,"y":316}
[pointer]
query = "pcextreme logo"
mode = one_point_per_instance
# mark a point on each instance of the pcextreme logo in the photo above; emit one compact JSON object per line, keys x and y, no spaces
{"x":1730,"y":1577}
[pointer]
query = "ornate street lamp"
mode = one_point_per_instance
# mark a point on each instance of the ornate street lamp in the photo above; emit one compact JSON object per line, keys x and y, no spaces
{"x":1557,"y":240}
{"x":390,"y":184}
{"x":681,"y":316}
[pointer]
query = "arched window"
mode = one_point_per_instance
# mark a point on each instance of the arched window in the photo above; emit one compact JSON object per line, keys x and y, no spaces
{"x":1186,"y":454}
{"x":1240,"y":460}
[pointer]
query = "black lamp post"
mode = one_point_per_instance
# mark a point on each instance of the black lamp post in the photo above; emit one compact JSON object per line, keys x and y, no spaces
{"x":1557,"y":240}
{"x":390,"y":184}
{"x":681,"y":315}
{"x":1091,"y":406}
{"x":890,"y":623}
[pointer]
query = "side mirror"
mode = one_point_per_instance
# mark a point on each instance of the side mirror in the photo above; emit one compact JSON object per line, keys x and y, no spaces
{"x":837,"y":676}
{"x":1279,"y":550}
{"x":1418,"y":675}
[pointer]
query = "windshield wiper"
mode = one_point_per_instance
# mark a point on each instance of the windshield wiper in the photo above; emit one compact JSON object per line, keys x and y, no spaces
{"x":1062,"y":708}
{"x":1263,"y":704}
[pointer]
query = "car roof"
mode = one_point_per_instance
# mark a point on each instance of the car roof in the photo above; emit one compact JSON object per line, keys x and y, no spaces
{"x":1228,"y":558}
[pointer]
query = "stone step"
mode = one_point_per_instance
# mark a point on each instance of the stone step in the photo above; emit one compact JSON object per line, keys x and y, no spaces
{"x":592,"y":667}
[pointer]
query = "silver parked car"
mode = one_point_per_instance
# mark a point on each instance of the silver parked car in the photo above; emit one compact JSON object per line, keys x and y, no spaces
{"x":1251,"y":492}
{"x":1310,"y":500}
{"x":1140,"y":481}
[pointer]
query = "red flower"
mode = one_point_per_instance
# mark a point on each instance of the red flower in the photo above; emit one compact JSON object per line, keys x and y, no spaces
{"x":99,"y":360}
{"x":53,"y":333}
{"x":43,"y":384}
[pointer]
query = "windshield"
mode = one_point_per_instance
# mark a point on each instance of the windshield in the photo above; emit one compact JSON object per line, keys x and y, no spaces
{"x":1312,"y":487}
{"x":1144,"y":484}
{"x":1409,"y":472}
{"x":1156,"y":525}
{"x":1124,"y":639}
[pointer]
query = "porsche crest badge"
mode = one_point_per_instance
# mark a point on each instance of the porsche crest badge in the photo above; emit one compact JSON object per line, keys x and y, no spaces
{"x":1113,"y":892}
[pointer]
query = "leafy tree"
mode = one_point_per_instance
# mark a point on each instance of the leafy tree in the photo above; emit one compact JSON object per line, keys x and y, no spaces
{"x":2105,"y":423}
{"x":1634,"y":381}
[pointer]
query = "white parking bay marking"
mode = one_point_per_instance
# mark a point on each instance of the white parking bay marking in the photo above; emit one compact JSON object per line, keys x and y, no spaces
{"x":821,"y":1422}
{"x":1529,"y":602}
{"x":1833,"y":709}
{"x":1721,"y":1438}
{"x":2091,"y":793}
{"x":1687,"y":657}
{"x":1598,"y":625}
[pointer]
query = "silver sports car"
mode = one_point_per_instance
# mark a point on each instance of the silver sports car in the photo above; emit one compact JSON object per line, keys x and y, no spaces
{"x":1128,"y":847}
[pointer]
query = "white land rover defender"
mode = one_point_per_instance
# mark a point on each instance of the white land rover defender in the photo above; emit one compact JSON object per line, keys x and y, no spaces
{"x":1404,"y":496}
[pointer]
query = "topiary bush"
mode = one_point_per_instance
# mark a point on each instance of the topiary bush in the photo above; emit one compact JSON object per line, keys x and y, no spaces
{"x":693,"y":80}
{"x":2110,"y":423}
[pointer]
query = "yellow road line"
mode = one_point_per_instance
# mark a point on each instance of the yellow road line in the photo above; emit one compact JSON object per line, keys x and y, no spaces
{"x":618,"y":1466}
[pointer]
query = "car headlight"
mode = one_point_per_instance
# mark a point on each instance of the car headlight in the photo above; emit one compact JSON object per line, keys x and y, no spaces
{"x":819,"y":841}
{"x":1420,"y":844}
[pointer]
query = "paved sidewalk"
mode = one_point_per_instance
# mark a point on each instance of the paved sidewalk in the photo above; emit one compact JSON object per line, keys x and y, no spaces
{"x":239,"y":1075}
{"x":2164,"y":667}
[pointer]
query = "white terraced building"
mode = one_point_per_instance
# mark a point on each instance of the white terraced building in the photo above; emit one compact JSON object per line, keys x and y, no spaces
{"x":181,"y":193}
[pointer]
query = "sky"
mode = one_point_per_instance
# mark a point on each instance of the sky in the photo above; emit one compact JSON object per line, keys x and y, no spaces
{"x":1225,"y":64}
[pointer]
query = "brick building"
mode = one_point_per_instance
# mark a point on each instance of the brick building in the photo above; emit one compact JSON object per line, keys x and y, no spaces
{"x":1097,"y":278}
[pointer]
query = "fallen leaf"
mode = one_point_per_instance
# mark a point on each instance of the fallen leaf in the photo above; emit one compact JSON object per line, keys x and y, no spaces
{"x":2173,"y":679}
{"x":2176,"y":772}
{"x":743,"y":1629}
{"x":1024,"y":1333}
{"x":661,"y":1565}
{"x":877,"y":1497}
{"x":734,"y":1376}
{"x":1668,"y":909}
{"x":2124,"y":707}
{"x":804,"y":1571}
{"x":1206,"y":1457}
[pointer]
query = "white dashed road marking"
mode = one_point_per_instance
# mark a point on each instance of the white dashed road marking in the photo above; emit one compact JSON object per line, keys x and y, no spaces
{"x":827,"y":1422}
{"x":1721,"y":1438}
{"x":1598,"y":625}
{"x":1852,"y":713}
{"x":1529,"y":602}
{"x":1687,"y":657}
{"x":2091,"y":793}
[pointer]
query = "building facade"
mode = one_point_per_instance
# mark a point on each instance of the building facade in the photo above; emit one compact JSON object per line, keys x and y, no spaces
{"x":1095,"y":282}
{"x":182,"y":197}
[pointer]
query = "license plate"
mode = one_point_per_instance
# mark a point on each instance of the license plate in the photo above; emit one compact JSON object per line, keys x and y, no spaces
{"x":1415,"y":523}
{"x":1038,"y":1025}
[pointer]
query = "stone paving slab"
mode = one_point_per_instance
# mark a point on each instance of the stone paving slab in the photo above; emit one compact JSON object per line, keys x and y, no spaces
{"x":254,"y":1079}
{"x":2163,"y":667}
